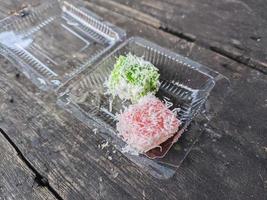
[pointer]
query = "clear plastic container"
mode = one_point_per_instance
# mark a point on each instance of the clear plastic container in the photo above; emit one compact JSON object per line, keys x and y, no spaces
{"x":184,"y":83}
{"x":55,"y":40}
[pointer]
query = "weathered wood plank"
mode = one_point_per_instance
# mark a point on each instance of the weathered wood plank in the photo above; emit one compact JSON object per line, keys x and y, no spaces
{"x":233,"y":28}
{"x":69,"y":176}
{"x":17,"y":180}
{"x":231,"y":152}
{"x":67,"y":153}
{"x":11,"y":6}
{"x":227,"y":161}
{"x":247,"y":136}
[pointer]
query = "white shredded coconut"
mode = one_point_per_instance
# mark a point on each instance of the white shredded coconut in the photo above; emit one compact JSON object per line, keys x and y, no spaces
{"x":143,"y":73}
{"x":95,"y":130}
{"x":104,"y":145}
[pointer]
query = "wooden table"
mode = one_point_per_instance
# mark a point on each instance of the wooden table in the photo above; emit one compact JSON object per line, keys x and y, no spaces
{"x":46,"y":153}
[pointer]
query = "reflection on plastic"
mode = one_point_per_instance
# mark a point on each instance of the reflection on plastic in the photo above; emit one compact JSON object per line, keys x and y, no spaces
{"x":11,"y":40}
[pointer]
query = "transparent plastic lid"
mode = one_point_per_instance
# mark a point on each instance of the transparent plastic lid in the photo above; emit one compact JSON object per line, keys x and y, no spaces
{"x":55,"y":40}
{"x":184,"y":83}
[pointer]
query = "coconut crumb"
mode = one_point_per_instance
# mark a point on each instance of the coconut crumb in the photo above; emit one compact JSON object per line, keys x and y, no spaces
{"x":95,"y":130}
{"x":104,"y":145}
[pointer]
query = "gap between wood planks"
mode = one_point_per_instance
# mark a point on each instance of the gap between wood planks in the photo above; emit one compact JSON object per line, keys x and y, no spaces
{"x":39,"y":179}
{"x":154,"y":22}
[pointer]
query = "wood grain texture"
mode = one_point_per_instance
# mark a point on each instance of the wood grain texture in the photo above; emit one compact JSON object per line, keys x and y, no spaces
{"x":242,"y":126}
{"x":12,"y":6}
{"x":67,"y":153}
{"x":17,"y":180}
{"x":228,"y":162}
{"x":234,"y":28}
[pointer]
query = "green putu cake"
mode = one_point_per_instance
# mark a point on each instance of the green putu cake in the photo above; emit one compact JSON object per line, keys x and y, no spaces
{"x":133,"y":78}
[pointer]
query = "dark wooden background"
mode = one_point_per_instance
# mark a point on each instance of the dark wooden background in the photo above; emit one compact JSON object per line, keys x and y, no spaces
{"x":45,"y":153}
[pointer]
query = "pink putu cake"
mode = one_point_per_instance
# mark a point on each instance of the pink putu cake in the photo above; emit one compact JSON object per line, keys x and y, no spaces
{"x":147,"y":124}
